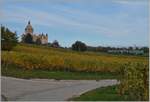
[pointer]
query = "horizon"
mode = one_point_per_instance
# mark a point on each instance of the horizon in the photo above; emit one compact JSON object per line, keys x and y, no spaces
{"x":97,"y":23}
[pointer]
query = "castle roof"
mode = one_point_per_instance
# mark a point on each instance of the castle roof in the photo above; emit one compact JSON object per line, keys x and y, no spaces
{"x":29,"y":26}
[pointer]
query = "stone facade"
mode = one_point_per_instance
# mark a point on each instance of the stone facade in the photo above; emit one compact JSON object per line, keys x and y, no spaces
{"x":42,"y":37}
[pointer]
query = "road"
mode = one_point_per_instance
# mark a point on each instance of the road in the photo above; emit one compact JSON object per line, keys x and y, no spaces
{"x":15,"y":89}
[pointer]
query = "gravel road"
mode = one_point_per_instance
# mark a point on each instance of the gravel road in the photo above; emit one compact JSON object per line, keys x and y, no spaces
{"x":15,"y":89}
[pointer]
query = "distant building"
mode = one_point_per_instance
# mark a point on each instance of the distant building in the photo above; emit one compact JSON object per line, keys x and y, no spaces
{"x":42,"y":37}
{"x":136,"y":52}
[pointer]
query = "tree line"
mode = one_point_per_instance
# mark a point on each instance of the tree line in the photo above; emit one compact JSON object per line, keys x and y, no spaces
{"x":106,"y":49}
{"x":81,"y":46}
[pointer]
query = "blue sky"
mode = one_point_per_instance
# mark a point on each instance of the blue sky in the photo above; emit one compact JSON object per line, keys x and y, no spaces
{"x":95,"y":22}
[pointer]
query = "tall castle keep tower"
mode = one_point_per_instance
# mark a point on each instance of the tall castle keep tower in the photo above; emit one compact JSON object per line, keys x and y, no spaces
{"x":42,"y":38}
{"x":29,"y":28}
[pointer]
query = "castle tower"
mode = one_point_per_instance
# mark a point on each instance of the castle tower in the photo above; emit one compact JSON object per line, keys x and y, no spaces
{"x":29,"y":29}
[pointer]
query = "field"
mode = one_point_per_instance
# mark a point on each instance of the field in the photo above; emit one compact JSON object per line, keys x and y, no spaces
{"x":104,"y":94}
{"x":35,"y":57}
{"x":14,"y":71}
{"x":32,"y":61}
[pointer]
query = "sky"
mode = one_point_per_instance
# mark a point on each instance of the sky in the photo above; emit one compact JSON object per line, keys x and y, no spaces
{"x":94,"y":22}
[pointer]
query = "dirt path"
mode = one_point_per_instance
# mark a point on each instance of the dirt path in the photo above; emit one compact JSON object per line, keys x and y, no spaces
{"x":48,"y":89}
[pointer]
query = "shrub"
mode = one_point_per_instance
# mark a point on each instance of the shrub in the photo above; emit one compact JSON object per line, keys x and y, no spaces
{"x":134,"y":81}
{"x":55,"y":44}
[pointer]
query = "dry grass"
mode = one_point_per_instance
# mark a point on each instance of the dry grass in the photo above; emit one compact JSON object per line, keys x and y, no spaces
{"x":38,"y":57}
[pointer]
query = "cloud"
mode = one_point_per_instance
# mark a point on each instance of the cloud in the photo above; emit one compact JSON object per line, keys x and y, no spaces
{"x":22,"y":14}
{"x":131,"y":2}
{"x":66,"y":17}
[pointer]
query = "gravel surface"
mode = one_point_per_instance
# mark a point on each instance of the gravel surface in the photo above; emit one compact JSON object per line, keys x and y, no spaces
{"x":48,"y":89}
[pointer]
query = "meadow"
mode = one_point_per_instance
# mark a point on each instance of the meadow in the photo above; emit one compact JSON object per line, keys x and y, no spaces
{"x":41,"y":57}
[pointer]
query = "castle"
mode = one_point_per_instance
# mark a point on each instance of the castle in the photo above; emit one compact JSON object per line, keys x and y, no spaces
{"x":42,"y":37}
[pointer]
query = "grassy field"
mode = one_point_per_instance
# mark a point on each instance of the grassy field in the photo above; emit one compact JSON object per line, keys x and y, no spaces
{"x":32,"y":61}
{"x":41,"y":57}
{"x":13,"y":71}
{"x":102,"y":94}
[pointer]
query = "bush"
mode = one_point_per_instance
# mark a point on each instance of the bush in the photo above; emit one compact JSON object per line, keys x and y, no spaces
{"x":79,"y":46}
{"x":8,"y":39}
{"x":134,"y":81}
{"x":55,"y":44}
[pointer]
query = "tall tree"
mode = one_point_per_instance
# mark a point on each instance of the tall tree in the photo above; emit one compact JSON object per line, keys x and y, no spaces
{"x":9,"y":39}
{"x":28,"y":38}
{"x":79,"y":46}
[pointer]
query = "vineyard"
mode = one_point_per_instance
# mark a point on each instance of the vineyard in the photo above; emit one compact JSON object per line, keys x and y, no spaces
{"x":40,"y":57}
{"x":132,"y":70}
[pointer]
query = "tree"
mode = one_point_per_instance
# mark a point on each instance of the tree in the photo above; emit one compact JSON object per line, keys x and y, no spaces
{"x":79,"y":46}
{"x":55,"y":44}
{"x":145,"y":49}
{"x":9,"y":39}
{"x":130,"y":48}
{"x":28,"y":38}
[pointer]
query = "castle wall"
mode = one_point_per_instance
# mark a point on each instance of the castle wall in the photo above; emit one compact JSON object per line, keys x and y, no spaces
{"x":43,"y":38}
{"x":34,"y":38}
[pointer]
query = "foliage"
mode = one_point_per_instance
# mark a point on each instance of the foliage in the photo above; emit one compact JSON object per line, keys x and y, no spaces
{"x":133,"y":75}
{"x":134,"y":81}
{"x":55,"y":44}
{"x":38,"y":57}
{"x":117,"y":50}
{"x":145,"y":49}
{"x":28,"y":38}
{"x":14,"y":71}
{"x":8,"y":39}
{"x":79,"y":46}
{"x":134,"y":86}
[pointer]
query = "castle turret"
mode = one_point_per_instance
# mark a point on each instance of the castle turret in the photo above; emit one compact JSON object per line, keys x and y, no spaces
{"x":29,"y":29}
